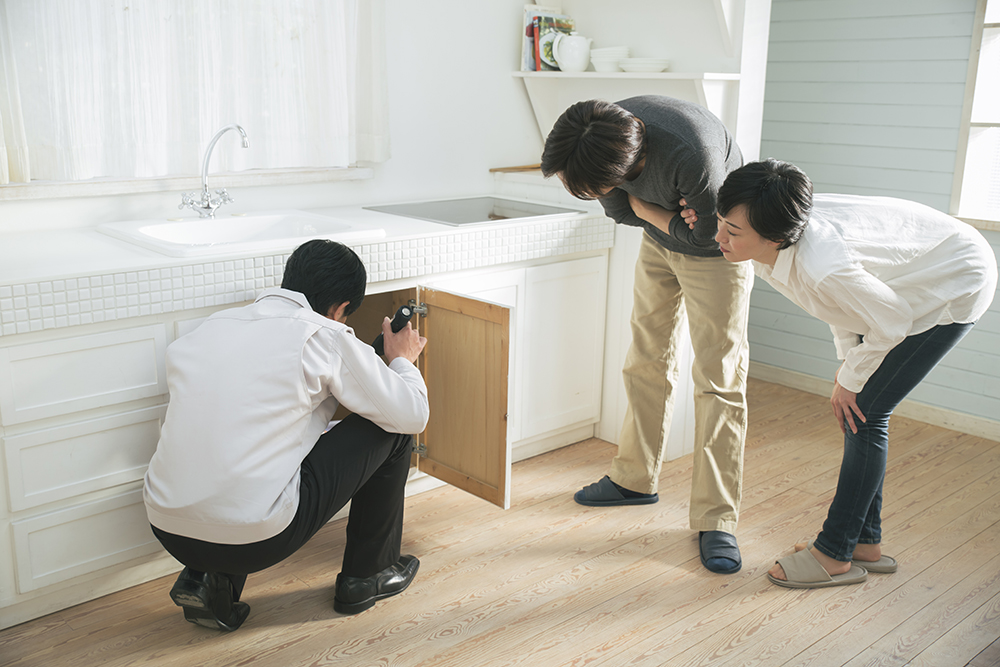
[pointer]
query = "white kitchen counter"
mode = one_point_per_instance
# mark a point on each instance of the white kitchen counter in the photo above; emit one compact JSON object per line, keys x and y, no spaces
{"x":61,"y":278}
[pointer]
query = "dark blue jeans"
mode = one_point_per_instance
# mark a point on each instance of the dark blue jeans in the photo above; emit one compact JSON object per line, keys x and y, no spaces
{"x":855,"y":516}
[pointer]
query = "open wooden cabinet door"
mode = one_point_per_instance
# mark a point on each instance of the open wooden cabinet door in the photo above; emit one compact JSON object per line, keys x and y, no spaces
{"x":465,"y":367}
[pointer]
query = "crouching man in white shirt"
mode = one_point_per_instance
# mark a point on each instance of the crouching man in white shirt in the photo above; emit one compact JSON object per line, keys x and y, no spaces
{"x":246,"y":472}
{"x":900,"y":284}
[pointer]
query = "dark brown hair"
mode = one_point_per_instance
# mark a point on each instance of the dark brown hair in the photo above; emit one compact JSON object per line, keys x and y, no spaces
{"x":593,"y":146}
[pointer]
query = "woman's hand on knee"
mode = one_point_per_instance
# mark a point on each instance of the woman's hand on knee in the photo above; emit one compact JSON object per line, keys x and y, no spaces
{"x":845,"y":407}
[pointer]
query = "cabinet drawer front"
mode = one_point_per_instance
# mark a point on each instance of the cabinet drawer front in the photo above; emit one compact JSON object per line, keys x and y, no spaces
{"x":57,"y":546}
{"x":59,"y":463}
{"x":60,"y":377}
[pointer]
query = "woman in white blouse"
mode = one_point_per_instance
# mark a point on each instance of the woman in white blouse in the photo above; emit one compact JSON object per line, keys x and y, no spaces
{"x":900,"y":284}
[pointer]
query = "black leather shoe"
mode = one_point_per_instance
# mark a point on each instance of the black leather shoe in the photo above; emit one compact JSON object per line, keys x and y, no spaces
{"x":207,"y":599}
{"x":355,"y":594}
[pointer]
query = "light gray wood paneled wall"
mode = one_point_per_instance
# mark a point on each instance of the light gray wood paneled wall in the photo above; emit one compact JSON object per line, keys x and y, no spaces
{"x":866,"y":97}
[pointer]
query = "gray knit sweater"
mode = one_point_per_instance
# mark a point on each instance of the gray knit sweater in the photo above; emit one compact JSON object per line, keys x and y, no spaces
{"x":688,"y":155}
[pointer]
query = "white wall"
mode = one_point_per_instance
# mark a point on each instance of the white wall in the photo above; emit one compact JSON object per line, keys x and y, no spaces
{"x":690,"y":37}
{"x":455,"y":112}
{"x":866,"y":97}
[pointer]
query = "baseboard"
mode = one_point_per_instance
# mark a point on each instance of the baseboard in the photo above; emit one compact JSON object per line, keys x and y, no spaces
{"x":89,"y":587}
{"x":922,"y":412}
{"x":525,"y":449}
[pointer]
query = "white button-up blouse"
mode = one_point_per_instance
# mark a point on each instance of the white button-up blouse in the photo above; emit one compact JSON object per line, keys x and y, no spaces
{"x":883,"y":269}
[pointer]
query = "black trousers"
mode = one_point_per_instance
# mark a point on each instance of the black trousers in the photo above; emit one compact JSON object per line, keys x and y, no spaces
{"x":355,"y":460}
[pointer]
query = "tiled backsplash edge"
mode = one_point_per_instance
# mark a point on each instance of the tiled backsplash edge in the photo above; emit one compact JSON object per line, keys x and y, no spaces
{"x":35,"y":306}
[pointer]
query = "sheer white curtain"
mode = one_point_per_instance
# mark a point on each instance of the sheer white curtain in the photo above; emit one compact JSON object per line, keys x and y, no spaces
{"x":137,"y":88}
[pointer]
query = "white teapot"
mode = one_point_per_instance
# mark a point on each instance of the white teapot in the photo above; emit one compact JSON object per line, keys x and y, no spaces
{"x":572,"y":52}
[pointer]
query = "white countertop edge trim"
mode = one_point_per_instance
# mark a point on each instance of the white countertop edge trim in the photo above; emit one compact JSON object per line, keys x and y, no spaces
{"x":191,"y":283}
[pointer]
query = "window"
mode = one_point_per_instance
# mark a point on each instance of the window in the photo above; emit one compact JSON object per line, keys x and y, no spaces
{"x":123,"y":89}
{"x":979,"y":172}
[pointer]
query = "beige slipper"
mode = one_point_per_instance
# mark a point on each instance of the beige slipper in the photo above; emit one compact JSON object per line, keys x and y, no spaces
{"x":804,"y":571}
{"x":884,"y":565}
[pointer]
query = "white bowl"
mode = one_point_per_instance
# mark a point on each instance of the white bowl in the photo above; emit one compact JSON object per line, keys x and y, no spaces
{"x":606,"y":65}
{"x":644,"y":64}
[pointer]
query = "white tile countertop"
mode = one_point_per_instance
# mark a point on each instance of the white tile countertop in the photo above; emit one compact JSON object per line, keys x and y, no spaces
{"x":60,"y":278}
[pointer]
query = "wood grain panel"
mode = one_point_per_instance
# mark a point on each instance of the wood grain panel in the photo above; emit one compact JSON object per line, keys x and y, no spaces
{"x":465,"y":362}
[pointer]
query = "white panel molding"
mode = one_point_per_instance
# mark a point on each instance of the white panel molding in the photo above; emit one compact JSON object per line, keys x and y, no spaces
{"x":59,"y":377}
{"x":68,"y":543}
{"x":555,"y":293}
{"x":58,"y":463}
{"x":928,"y":414}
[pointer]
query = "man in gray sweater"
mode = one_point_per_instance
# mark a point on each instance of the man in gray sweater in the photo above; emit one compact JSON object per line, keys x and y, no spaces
{"x":646,"y":159}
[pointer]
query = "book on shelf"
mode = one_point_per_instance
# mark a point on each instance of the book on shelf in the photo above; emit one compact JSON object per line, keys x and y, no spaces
{"x":540,"y":27}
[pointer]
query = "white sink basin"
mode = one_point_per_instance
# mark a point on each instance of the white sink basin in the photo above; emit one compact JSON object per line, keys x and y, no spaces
{"x":269,"y":230}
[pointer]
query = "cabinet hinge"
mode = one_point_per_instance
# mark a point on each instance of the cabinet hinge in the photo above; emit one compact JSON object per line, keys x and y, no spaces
{"x":419,"y":310}
{"x":420,"y":448}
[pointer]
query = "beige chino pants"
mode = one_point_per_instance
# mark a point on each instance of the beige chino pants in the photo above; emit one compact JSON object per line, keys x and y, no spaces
{"x":716,"y":295}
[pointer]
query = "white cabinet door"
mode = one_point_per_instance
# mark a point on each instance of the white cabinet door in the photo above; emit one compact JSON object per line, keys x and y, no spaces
{"x":562,"y":345}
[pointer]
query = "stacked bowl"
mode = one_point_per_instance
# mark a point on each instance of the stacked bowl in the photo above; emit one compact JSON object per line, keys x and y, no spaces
{"x":644,"y":64}
{"x":607,"y":59}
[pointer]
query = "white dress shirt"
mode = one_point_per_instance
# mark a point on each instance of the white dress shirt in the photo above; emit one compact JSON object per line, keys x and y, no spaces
{"x":251,"y":391}
{"x":884,"y":269}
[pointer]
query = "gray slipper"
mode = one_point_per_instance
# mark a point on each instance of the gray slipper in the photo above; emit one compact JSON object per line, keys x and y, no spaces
{"x":604,"y":493}
{"x":804,"y":571}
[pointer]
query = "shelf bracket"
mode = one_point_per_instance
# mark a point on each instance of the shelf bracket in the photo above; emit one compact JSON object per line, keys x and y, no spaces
{"x":724,"y":13}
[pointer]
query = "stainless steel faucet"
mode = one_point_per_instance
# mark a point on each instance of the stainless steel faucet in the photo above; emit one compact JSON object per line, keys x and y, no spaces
{"x":205,"y":203}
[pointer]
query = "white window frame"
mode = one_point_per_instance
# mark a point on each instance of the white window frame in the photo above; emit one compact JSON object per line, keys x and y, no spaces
{"x":965,"y":128}
{"x":99,"y":187}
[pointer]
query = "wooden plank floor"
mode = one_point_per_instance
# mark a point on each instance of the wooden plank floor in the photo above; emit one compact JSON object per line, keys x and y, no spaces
{"x":551,"y":583}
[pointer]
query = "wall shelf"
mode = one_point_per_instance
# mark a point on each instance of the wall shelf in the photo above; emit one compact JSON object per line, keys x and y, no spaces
{"x":551,"y":93}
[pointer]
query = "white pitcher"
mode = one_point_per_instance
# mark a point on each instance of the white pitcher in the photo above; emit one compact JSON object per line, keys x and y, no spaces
{"x":572,"y":52}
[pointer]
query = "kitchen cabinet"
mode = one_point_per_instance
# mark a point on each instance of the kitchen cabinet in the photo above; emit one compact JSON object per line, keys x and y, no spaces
{"x":81,"y":409}
{"x":557,"y":350}
{"x":79,"y":420}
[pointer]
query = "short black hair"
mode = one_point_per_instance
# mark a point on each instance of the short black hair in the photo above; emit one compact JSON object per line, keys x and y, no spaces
{"x":594,"y":144}
{"x":777,"y":197}
{"x":327,"y":273}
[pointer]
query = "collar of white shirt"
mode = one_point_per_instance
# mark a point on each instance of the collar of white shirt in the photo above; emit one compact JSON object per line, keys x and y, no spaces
{"x":296,"y":297}
{"x":782,"y":270}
